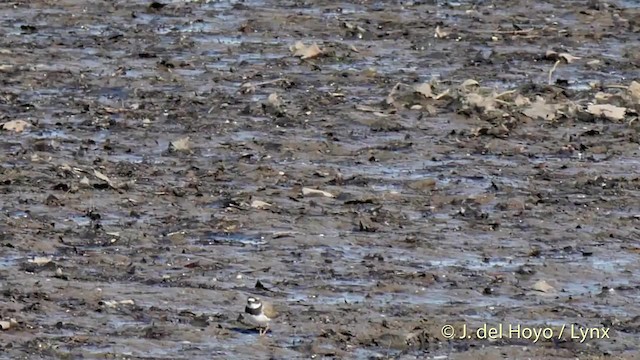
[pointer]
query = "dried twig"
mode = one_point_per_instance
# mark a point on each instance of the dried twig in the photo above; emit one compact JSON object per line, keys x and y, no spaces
{"x":555,"y":66}
{"x":512,"y":32}
{"x":251,"y":87}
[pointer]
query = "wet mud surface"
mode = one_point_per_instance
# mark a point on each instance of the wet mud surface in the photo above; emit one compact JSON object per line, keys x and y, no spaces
{"x":370,"y":210}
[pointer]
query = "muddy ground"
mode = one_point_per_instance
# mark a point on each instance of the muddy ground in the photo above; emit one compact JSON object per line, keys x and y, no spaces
{"x":431,"y":163}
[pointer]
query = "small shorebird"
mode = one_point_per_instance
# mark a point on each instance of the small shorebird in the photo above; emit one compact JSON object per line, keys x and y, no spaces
{"x":260,"y":313}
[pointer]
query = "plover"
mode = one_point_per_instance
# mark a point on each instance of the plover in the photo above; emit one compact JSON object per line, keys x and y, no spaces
{"x":259,"y":313}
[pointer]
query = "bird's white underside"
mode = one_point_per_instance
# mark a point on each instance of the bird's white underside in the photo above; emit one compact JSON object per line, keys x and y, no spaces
{"x":260,"y":319}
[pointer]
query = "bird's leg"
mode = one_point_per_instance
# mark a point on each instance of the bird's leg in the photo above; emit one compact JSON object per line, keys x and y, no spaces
{"x":263,"y":331}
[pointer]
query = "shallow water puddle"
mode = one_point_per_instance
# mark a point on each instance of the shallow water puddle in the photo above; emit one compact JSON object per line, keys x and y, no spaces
{"x":9,"y":260}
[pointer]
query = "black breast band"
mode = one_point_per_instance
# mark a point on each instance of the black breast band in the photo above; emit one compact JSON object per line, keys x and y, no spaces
{"x":251,"y":311}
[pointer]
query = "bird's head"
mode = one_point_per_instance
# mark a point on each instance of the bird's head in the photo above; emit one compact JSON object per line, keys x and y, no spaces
{"x":253,"y":303}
